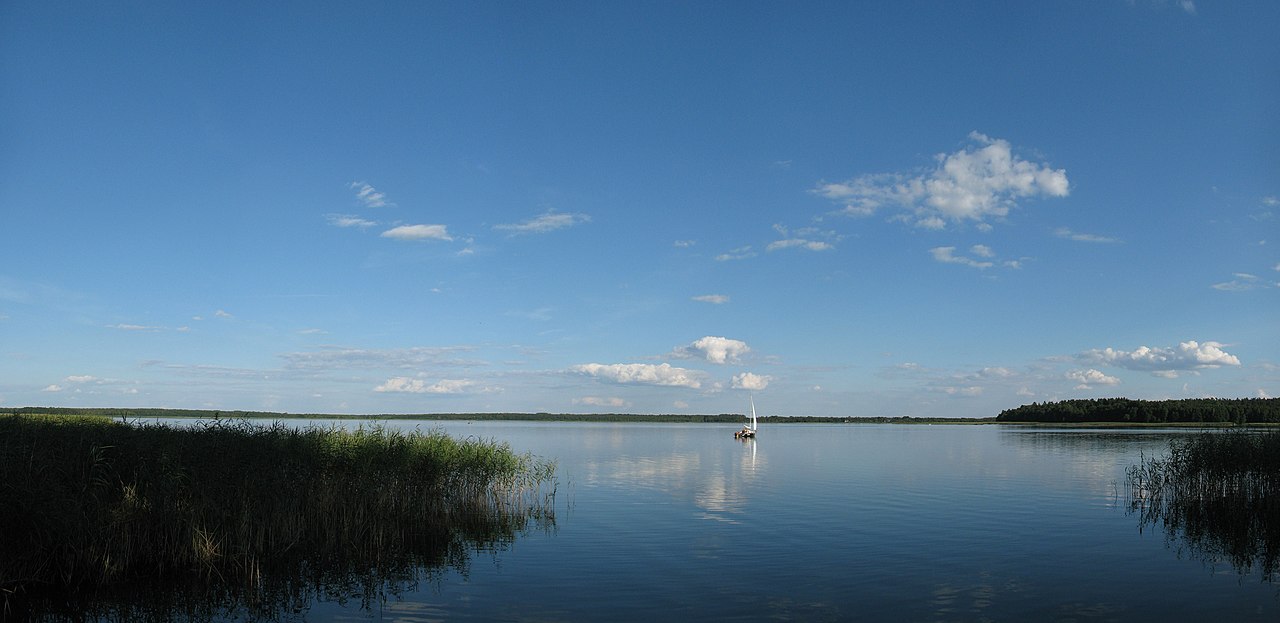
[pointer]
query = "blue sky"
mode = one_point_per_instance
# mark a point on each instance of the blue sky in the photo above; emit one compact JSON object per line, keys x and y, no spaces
{"x":861,"y":209}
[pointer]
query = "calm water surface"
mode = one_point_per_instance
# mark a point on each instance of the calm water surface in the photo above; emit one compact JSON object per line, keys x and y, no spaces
{"x":832,"y":522}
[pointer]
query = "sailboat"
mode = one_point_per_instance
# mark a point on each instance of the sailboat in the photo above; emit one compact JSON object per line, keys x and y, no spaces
{"x":748,"y":432}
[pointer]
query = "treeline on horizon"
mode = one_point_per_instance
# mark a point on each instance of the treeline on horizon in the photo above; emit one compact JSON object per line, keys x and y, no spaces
{"x":1125,"y":410}
{"x":721,"y":418}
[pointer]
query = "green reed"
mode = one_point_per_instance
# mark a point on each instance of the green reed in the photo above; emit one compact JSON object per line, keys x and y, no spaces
{"x":1218,"y":495}
{"x":90,"y":502}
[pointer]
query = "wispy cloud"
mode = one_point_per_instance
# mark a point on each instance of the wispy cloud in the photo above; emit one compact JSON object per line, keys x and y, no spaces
{"x":347,"y":220}
{"x":714,"y":299}
{"x":134,"y":327}
{"x":547,"y":222}
{"x":740,"y":253}
{"x":418,"y":232}
{"x":664,"y":374}
{"x":362,"y":358}
{"x":802,"y":239}
{"x":1244,"y":281}
{"x":596,"y":401}
{"x":1063,"y":232}
{"x":947,"y":255}
{"x":540,"y":314}
{"x":967,"y":185}
{"x":369,"y":196}
{"x":407,"y":385}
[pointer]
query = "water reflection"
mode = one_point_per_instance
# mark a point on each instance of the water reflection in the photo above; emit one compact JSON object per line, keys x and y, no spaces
{"x":716,"y":483}
{"x":371,"y":576}
{"x":1217,"y":500}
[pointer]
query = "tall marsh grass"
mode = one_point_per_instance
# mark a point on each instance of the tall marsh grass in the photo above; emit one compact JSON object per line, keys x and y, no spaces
{"x":90,"y":503}
{"x":1217,"y":494}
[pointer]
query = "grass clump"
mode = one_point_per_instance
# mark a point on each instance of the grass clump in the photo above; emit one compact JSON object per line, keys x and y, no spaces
{"x":91,"y":503}
{"x":1218,"y":494}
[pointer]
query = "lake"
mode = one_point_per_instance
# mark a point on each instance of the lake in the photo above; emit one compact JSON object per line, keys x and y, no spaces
{"x":829,"y":523}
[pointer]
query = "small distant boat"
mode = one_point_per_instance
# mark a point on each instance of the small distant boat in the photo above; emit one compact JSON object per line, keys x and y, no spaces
{"x":748,"y":432}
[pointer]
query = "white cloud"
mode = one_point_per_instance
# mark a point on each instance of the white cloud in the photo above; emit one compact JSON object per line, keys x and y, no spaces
{"x":1063,"y":232}
{"x":982,"y":250}
{"x":369,"y":196}
{"x":643,"y":374}
{"x":1091,"y":377}
{"x":134,"y":327}
{"x":684,"y":244}
{"x":967,"y":185}
{"x":932,"y":222}
{"x":52,"y":388}
{"x":970,"y":391}
{"x":1271,"y":200}
{"x":740,"y":253}
{"x":714,"y":299}
{"x":996,"y":372}
{"x":84,"y":378}
{"x":747,"y":380}
{"x":947,"y":255}
{"x":595,"y":401}
{"x":347,"y":220}
{"x":404,"y":384}
{"x":1188,"y":6}
{"x":418,"y":232}
{"x":548,"y":222}
{"x":222,"y":314}
{"x":1189,"y":355}
{"x":791,"y":243}
{"x":714,"y":349}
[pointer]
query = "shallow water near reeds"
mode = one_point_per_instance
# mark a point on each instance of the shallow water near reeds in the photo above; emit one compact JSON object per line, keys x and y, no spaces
{"x":827,"y":522}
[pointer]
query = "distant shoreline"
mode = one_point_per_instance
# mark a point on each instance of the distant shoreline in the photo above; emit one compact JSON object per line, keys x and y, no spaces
{"x":721,"y":418}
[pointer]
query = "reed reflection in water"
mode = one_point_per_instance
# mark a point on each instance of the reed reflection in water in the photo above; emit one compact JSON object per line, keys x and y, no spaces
{"x":1217,"y":498}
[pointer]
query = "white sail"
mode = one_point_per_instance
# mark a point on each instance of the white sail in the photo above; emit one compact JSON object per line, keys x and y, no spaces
{"x":753,"y":414}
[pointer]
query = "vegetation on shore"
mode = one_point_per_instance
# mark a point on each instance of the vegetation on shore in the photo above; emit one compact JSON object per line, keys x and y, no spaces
{"x":1238,"y":411}
{"x":679,"y":418}
{"x":1217,"y":494}
{"x":92,"y":503}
